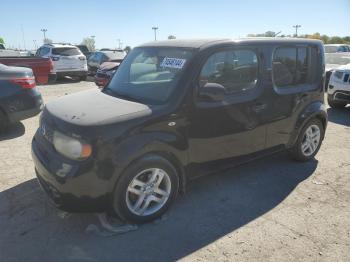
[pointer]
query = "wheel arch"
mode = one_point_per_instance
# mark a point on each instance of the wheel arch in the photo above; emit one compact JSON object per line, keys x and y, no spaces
{"x":314,"y":110}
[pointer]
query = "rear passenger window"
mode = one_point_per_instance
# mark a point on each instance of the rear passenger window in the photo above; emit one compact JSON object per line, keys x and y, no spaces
{"x":236,"y":70}
{"x":294,"y":66}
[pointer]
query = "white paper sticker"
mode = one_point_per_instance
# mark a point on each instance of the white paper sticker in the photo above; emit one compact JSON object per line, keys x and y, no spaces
{"x":173,"y":62}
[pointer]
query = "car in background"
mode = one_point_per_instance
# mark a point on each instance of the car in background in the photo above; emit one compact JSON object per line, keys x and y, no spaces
{"x":100,"y":57}
{"x":339,"y":87}
{"x":336,"y":48}
{"x":85,"y":50}
{"x":334,"y":61}
{"x":42,"y":67}
{"x":105,"y":73}
{"x":67,"y":60}
{"x":19,"y":97}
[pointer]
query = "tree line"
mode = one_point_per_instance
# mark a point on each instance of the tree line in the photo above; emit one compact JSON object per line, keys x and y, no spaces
{"x":325,"y":38}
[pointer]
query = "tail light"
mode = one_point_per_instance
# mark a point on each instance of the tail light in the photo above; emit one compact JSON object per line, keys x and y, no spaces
{"x":25,"y":82}
{"x":55,"y":58}
{"x":51,"y":66}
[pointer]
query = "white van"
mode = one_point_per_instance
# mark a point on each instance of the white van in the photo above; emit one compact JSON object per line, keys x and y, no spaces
{"x":68,"y":60}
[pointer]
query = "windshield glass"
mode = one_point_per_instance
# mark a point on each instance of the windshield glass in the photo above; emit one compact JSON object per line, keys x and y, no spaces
{"x":150,"y":74}
{"x":115,"y":55}
{"x":66,"y":51}
{"x":338,"y":59}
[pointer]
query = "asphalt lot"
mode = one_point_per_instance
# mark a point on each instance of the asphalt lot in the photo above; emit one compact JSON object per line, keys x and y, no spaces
{"x":273,"y":209}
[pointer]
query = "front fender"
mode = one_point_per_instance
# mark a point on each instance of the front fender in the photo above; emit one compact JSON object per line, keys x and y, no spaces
{"x":118,"y":155}
{"x":314,"y":110}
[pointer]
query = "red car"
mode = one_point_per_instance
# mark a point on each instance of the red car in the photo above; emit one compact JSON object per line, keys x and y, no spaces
{"x":42,"y":67}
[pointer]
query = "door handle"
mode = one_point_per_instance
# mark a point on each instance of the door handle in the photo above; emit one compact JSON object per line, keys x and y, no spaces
{"x":259,"y":107}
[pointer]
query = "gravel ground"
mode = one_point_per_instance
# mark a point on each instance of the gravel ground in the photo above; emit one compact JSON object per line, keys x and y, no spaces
{"x":272,"y":209}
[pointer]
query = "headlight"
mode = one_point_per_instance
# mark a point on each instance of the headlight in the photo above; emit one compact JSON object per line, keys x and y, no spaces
{"x":71,"y":147}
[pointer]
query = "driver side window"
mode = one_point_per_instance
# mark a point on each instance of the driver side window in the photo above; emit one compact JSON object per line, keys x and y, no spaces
{"x":236,"y":70}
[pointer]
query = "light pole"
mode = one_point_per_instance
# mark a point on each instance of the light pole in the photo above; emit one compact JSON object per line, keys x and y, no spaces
{"x":296,"y":29}
{"x":119,"y":43}
{"x":35,"y":46}
{"x":44,"y":32}
{"x":155,"y":28}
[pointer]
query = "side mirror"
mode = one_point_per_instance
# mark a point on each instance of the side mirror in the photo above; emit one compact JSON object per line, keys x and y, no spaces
{"x":213,"y":92}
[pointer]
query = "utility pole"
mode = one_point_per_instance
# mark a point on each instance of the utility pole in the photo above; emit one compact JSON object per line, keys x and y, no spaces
{"x":155,"y":28}
{"x":296,"y":29}
{"x":44,"y":32}
{"x":24,"y":41}
{"x":119,"y":43}
{"x":35,"y":46}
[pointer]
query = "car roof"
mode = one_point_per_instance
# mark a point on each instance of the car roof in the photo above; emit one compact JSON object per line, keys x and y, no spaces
{"x":60,"y":45}
{"x":204,"y":43}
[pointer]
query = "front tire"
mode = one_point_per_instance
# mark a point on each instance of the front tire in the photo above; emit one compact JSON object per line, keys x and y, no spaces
{"x":309,"y":141}
{"x":145,"y":190}
{"x":335,"y":104}
{"x":4,"y":122}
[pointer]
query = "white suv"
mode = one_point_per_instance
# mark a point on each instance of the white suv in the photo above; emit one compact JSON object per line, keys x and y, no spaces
{"x":67,"y":60}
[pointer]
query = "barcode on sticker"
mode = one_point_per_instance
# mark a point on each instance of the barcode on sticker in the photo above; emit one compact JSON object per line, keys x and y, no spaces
{"x":173,"y":62}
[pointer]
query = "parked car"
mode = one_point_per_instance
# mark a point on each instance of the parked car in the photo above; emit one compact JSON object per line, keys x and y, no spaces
{"x":175,"y":110}
{"x":105,"y":73}
{"x":19,"y":98}
{"x":339,"y":87}
{"x":336,"y":48}
{"x":99,"y":57}
{"x":7,"y":52}
{"x":85,"y":50}
{"x":67,"y":59}
{"x":334,"y":61}
{"x":42,"y":67}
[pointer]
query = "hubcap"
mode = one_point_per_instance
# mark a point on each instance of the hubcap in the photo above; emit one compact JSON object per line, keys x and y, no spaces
{"x":148,"y":191}
{"x":311,"y":140}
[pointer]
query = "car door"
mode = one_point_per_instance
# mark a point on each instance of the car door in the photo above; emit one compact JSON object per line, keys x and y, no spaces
{"x":231,"y":127}
{"x":296,"y":73}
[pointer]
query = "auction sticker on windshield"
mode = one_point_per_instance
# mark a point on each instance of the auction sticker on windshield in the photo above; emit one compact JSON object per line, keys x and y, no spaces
{"x":173,"y":62}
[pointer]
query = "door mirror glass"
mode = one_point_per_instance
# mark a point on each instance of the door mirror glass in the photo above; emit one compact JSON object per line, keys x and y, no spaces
{"x":212,"y":92}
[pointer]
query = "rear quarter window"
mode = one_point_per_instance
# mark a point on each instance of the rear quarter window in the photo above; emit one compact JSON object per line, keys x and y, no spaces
{"x":295,"y":66}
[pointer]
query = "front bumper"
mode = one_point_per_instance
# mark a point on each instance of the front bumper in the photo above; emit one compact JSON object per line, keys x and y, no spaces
{"x":71,"y":185}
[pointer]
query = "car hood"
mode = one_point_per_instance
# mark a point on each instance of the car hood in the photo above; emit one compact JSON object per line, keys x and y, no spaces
{"x":108,"y":66}
{"x":94,"y":108}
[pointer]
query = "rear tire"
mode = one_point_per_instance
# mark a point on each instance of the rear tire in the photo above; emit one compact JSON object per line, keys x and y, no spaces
{"x":82,"y":78}
{"x":308,"y":142}
{"x":335,"y":104}
{"x":145,"y":190}
{"x":4,"y":122}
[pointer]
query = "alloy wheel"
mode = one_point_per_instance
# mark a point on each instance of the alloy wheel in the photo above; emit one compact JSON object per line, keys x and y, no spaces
{"x":311,"y":140}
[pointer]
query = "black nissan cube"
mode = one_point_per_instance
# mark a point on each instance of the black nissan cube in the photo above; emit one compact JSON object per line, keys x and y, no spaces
{"x":175,"y":110}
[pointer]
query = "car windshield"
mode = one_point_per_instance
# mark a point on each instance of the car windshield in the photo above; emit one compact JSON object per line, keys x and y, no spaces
{"x":149,"y":74}
{"x":66,"y":51}
{"x":338,"y":59}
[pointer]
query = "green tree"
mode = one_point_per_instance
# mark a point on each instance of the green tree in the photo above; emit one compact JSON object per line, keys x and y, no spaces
{"x":2,"y":40}
{"x":89,"y":42}
{"x":127,"y":49}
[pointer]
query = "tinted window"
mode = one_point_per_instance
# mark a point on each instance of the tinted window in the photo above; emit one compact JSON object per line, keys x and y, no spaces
{"x":236,"y":70}
{"x":150,"y":74}
{"x":294,"y":66}
{"x":66,"y":51}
